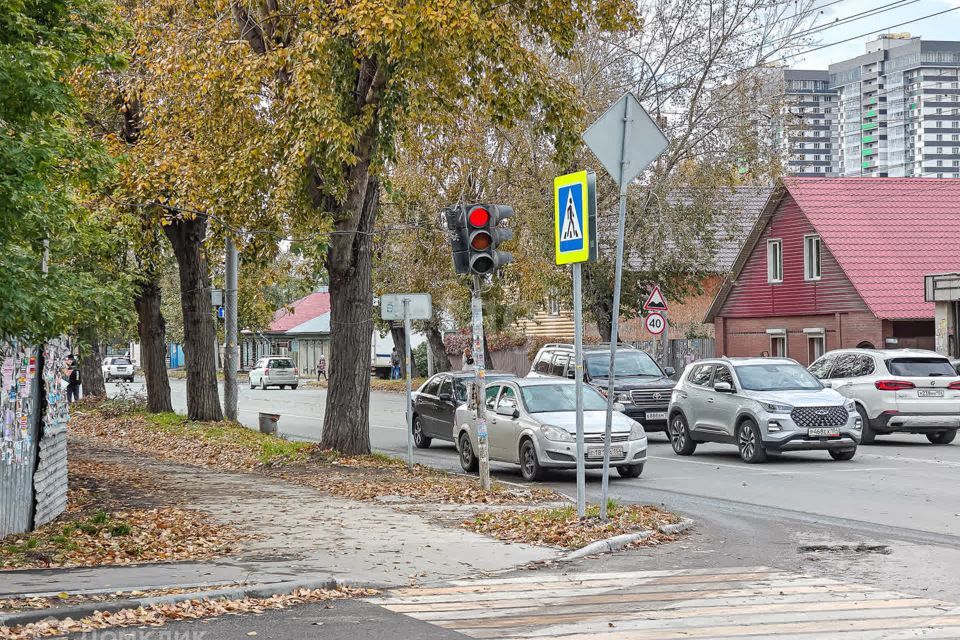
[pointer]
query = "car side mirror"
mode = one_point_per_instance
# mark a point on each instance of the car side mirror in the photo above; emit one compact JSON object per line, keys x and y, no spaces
{"x":509,"y":412}
{"x":723,"y":387}
{"x":619,"y":407}
{"x":670,"y":371}
{"x":827,"y":384}
{"x":446,"y":397}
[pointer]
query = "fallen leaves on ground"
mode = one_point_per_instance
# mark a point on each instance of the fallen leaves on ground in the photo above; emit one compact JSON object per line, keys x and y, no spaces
{"x":117,"y":515}
{"x":157,"y":615}
{"x":9,"y":605}
{"x":560,"y":527}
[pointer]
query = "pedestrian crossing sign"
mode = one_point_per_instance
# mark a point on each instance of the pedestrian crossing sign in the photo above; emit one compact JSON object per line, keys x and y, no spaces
{"x":575,"y":217}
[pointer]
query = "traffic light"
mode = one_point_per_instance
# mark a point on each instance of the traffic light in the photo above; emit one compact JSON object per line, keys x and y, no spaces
{"x":457,"y":228}
{"x":484,"y":235}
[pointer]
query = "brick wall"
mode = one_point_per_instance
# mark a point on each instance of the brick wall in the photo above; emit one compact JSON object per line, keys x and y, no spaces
{"x":748,"y":336}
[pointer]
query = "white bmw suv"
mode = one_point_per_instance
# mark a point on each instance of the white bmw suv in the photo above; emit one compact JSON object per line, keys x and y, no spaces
{"x":896,"y":390}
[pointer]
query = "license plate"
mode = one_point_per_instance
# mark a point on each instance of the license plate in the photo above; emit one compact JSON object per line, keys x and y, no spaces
{"x":819,"y":432}
{"x":930,"y":393}
{"x":656,"y":415}
{"x":597,"y":452}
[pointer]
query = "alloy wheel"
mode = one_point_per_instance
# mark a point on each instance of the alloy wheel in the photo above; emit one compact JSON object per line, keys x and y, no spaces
{"x":678,"y":436}
{"x":529,"y":464}
{"x":748,"y":442}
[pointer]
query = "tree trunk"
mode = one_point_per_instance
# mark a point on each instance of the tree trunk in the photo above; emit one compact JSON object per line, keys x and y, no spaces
{"x":203,"y":400}
{"x":346,"y":423}
{"x":441,"y":361}
{"x":400,"y":342}
{"x":151,"y":328}
{"x":91,"y":359}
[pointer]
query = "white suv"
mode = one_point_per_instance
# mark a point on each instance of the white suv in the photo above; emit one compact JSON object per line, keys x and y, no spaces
{"x":114,"y":368}
{"x":905,"y":390}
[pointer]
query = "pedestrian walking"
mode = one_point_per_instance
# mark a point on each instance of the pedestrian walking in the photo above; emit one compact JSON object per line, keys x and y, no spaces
{"x":394,"y":365}
{"x":73,"y":379}
{"x":321,"y":368}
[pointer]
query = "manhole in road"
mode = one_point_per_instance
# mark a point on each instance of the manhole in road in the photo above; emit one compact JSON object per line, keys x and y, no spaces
{"x":845,"y":548}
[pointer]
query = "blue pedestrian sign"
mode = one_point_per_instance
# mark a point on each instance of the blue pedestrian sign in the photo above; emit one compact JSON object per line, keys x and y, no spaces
{"x":575,"y":217}
{"x":220,"y":312}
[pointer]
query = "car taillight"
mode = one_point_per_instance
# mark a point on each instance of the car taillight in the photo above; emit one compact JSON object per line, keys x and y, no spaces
{"x":266,"y":372}
{"x":893,"y":385}
{"x":296,"y":372}
{"x":954,"y":385}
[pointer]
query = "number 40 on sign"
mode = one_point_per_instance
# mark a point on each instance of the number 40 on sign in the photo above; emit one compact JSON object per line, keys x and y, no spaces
{"x":656,"y":323}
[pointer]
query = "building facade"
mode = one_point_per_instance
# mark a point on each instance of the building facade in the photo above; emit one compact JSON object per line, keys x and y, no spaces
{"x":898,"y":109}
{"x":808,"y":125}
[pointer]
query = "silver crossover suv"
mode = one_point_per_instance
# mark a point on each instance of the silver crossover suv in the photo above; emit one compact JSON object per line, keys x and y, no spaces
{"x":761,"y":405}
{"x":532,"y":422}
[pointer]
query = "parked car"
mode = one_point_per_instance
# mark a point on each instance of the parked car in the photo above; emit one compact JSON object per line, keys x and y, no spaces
{"x":640,"y":384}
{"x":274,"y":371}
{"x":435,"y":403}
{"x":532,"y":422}
{"x":896,"y":390}
{"x":115,"y":368}
{"x":761,"y":405}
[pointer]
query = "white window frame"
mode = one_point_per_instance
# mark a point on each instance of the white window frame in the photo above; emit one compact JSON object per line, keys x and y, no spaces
{"x":813,"y":335}
{"x":809,"y":273}
{"x":778,"y":334}
{"x":775,"y":263}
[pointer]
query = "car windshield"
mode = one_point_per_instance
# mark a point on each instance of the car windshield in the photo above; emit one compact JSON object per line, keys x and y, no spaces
{"x":776,"y":377}
{"x":627,"y":364}
{"x":120,"y":361}
{"x":560,"y":397}
{"x":461,"y":385}
{"x":281,"y":364}
{"x":921,"y":367}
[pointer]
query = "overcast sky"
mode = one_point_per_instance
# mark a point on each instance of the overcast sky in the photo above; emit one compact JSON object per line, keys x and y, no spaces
{"x":943,"y":27}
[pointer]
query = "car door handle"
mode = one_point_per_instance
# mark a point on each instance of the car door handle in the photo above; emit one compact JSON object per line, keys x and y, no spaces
{"x":710,"y":400}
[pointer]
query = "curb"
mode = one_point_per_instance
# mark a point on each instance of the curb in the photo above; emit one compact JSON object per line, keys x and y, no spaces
{"x":619,"y":542}
{"x":264,"y":590}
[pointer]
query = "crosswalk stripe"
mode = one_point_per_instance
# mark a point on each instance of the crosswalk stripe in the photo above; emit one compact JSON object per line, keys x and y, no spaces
{"x":747,"y":602}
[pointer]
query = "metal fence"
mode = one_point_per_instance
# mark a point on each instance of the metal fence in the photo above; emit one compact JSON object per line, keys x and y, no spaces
{"x":681,"y":351}
{"x":33,"y":452}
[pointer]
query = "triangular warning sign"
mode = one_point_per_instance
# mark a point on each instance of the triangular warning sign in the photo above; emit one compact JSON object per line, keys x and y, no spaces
{"x":571,"y":221}
{"x":656,"y":301}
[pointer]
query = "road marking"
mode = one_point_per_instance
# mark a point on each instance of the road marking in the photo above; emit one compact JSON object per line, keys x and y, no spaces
{"x":772,"y":472}
{"x":652,"y":605}
{"x":938,"y":463}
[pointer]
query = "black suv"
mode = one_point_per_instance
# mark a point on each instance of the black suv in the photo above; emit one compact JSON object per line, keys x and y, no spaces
{"x":640,"y":385}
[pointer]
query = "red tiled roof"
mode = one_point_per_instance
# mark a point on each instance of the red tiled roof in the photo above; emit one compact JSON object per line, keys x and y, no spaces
{"x":886,"y":233}
{"x":304,"y":309}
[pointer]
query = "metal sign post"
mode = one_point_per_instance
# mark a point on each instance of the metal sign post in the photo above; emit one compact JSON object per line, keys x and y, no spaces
{"x":609,"y":139}
{"x":407,"y":307}
{"x":483,"y":450}
{"x":575,"y":224}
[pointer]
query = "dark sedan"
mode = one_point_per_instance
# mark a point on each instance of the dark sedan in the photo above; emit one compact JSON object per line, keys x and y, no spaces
{"x":436,"y":402}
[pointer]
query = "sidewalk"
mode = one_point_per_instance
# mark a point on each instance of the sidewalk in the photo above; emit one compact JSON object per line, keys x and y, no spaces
{"x":301,"y":534}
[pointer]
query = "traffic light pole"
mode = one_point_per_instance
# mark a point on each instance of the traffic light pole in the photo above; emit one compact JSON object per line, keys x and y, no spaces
{"x":483,"y":451}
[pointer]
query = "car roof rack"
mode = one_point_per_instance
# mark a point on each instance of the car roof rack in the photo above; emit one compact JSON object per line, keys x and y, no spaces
{"x":558,"y":345}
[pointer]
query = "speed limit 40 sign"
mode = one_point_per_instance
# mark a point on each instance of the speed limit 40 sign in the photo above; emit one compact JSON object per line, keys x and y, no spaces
{"x":656,"y":323}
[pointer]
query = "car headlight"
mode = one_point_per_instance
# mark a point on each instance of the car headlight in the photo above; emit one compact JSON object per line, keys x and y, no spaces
{"x":774,"y":407}
{"x":622,"y":397}
{"x":637,"y":432}
{"x":851,"y":407}
{"x":556,"y":434}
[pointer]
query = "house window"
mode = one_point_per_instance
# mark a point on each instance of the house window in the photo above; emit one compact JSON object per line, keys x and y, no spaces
{"x":811,"y":257}
{"x":778,"y":342}
{"x":816,"y":343}
{"x":774,"y":261}
{"x":553,"y":306}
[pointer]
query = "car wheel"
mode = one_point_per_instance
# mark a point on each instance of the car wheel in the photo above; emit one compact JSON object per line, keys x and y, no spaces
{"x":843,"y":454}
{"x":680,"y":438}
{"x":130,"y":379}
{"x":419,"y":439}
{"x":750,"y":443}
{"x":630,"y":470}
{"x":529,"y":464}
{"x":293,"y":386}
{"x":468,"y":461}
{"x":942,"y":437}
{"x":867,"y":434}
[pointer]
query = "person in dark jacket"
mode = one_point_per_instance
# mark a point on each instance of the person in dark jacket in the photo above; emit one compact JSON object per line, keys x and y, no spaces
{"x":73,"y":379}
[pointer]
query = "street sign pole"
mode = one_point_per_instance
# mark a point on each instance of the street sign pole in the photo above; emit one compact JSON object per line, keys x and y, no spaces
{"x":483,"y":451}
{"x":615,"y":320}
{"x":406,"y":341}
{"x":578,"y":372}
{"x":665,"y":341}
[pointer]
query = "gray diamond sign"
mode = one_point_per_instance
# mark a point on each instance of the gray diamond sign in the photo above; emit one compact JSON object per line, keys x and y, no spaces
{"x":625,"y":132}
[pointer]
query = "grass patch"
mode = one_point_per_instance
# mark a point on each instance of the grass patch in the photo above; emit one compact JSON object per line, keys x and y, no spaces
{"x":560,"y":527}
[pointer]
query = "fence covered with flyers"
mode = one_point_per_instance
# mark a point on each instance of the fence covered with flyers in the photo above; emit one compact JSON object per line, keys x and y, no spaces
{"x":33,"y":448}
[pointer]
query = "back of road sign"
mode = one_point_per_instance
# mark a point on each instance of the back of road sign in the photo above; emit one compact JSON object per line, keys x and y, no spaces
{"x":575,"y":217}
{"x":420,"y":306}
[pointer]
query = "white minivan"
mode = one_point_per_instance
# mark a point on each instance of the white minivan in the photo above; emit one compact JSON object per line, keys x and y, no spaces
{"x":274,"y":371}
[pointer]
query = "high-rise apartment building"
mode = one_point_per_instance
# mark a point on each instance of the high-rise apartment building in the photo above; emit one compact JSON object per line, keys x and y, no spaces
{"x":898,"y":109}
{"x":807,"y":127}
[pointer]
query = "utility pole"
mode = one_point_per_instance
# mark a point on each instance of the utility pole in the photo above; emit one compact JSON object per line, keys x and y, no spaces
{"x":483,"y":450}
{"x":230,"y":352}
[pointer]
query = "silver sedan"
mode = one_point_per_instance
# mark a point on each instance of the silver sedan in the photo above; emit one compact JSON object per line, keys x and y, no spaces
{"x":532,"y":422}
